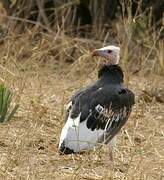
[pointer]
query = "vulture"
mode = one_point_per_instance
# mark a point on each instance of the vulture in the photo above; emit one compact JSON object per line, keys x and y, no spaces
{"x":95,"y":114}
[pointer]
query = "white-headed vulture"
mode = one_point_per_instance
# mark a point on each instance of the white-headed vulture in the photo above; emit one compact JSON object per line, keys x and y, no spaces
{"x":96,"y":114}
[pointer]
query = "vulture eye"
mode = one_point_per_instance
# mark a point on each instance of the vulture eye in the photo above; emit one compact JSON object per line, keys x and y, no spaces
{"x":109,"y":51}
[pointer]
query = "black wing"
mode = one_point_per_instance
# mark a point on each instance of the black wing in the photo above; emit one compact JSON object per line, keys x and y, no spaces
{"x":78,"y":100}
{"x":106,"y":108}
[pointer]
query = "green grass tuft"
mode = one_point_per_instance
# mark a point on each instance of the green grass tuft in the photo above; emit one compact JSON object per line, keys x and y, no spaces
{"x":7,"y":110}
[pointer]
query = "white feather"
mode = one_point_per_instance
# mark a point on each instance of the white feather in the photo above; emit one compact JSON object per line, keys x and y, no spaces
{"x":114,"y":48}
{"x":77,"y":136}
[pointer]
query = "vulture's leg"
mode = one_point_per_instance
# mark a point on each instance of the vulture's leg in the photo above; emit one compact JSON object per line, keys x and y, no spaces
{"x":112,"y":144}
{"x":111,"y":154}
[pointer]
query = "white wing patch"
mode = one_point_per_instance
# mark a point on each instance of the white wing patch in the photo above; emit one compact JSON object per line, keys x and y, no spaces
{"x":70,"y":124}
{"x":75,"y":134}
{"x":99,"y":108}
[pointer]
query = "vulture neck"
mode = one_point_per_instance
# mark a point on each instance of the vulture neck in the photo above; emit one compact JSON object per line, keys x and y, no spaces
{"x":113,"y":60}
{"x":111,"y":74}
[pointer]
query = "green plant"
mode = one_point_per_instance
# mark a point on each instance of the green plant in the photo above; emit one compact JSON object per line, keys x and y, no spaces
{"x":7,"y":108}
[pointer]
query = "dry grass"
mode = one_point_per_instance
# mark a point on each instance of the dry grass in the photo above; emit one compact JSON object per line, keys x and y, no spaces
{"x":37,"y":66}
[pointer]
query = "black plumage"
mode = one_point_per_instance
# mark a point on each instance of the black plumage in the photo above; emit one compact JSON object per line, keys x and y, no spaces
{"x":97,"y":113}
{"x":106,"y":104}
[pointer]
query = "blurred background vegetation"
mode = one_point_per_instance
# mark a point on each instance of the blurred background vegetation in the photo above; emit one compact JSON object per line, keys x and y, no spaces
{"x":81,"y":15}
{"x":135,"y":25}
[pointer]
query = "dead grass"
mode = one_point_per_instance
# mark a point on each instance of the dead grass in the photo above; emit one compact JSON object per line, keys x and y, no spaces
{"x":37,"y":66}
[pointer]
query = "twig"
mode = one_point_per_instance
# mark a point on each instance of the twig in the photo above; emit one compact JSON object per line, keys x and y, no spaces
{"x":42,"y":13}
{"x":27,"y":21}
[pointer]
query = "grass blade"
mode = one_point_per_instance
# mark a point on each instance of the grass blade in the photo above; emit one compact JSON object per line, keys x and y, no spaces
{"x":6,"y":97}
{"x":12,"y":112}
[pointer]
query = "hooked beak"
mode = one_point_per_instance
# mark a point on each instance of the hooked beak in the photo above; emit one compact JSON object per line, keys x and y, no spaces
{"x":95,"y":53}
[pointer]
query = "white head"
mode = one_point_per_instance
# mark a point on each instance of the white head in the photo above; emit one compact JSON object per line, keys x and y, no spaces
{"x":110,"y":53}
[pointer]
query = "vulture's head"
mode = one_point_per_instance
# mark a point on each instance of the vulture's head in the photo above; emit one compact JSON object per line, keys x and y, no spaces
{"x":111,"y":54}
